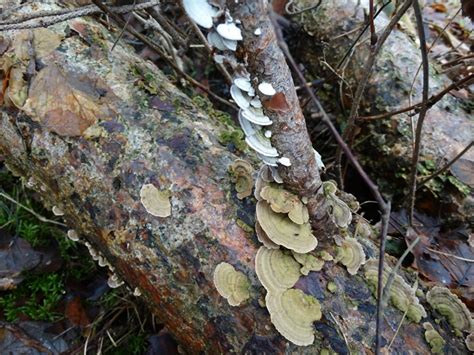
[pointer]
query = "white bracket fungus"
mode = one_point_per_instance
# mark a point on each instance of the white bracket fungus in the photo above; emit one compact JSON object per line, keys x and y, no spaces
{"x":200,"y":12}
{"x":57,"y":211}
{"x":72,"y":235}
{"x":266,"y":89}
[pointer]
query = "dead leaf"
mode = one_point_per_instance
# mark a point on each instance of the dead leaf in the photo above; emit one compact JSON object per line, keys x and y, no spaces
{"x":277,"y":103}
{"x":463,"y":169}
{"x":16,"y":256}
{"x":438,"y":7}
{"x":45,"y":41}
{"x":66,"y":103}
{"x":76,"y":313}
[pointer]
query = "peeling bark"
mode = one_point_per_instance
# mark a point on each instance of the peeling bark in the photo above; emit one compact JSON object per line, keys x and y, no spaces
{"x":95,"y":177}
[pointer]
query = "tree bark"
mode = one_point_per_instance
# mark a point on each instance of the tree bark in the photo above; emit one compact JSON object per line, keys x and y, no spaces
{"x":98,"y":125}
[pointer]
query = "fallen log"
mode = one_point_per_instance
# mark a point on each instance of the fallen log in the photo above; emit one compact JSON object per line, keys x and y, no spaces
{"x":89,"y":128}
{"x":326,"y":35}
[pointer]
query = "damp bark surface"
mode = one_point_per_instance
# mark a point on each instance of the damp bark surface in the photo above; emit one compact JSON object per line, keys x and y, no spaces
{"x":102,"y":124}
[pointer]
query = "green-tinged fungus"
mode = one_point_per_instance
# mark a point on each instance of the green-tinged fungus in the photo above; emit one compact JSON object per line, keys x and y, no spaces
{"x":470,"y":342}
{"x":263,"y":237}
{"x":332,"y":287}
{"x":308,"y":262}
{"x":324,"y":255}
{"x":402,"y":295}
{"x":351,"y":255}
{"x":276,"y":270}
{"x":231,"y":284}
{"x":450,"y":306}
{"x":433,"y":338}
{"x":156,"y":202}
{"x":242,"y":172}
{"x":340,"y":213}
{"x":282,"y":201}
{"x":363,"y":229}
{"x":282,"y":231}
{"x":292,"y":312}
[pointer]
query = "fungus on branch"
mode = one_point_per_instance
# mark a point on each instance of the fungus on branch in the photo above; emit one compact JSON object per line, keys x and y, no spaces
{"x":283,"y":201}
{"x":340,"y":213}
{"x":156,"y":202}
{"x":350,"y":254}
{"x":433,"y":338}
{"x":450,"y":306}
{"x":231,"y":284}
{"x":292,"y":313}
{"x":308,"y":262}
{"x":242,"y":172}
{"x":282,"y":231}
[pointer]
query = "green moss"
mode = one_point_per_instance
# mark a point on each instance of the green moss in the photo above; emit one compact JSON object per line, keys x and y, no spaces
{"x":235,"y":137}
{"x":244,"y":226}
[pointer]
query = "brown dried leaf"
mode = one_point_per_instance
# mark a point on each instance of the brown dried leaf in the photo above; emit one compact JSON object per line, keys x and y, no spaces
{"x":76,"y":313}
{"x":65,"y":103}
{"x":45,"y":41}
{"x":277,"y":103}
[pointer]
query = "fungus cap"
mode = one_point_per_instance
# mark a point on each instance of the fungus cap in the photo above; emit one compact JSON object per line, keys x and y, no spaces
{"x":270,"y":161}
{"x":231,"y":284}
{"x":266,"y":89}
{"x":283,"y":201}
{"x":200,"y":12}
{"x":284,"y":160}
{"x":230,"y":44}
{"x":308,"y":262}
{"x":293,"y":312}
{"x":114,"y":281}
{"x":215,"y":40}
{"x":282,"y":231}
{"x":241,"y":99}
{"x":276,"y":270}
{"x":256,"y":103}
{"x":72,"y":235}
{"x":263,"y":237}
{"x":243,"y":84}
{"x":156,"y":202}
{"x":470,"y":342}
{"x":450,"y":306}
{"x":242,"y":172}
{"x":256,"y":115}
{"x":340,"y":213}
{"x":229,"y":30}
{"x":433,"y":338}
{"x":57,"y":211}
{"x":351,"y":255}
{"x":261,"y":144}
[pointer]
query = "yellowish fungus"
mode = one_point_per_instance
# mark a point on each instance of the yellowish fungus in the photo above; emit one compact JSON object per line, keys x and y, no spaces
{"x":276,"y":270}
{"x":293,"y":312}
{"x":324,"y":255}
{"x":351,"y":255}
{"x":282,"y":231}
{"x":450,"y":306}
{"x":242,"y":172}
{"x":308,"y":262}
{"x":433,"y":338}
{"x":231,"y":284}
{"x":470,"y":342}
{"x":282,"y":201}
{"x":402,"y":295}
{"x":156,"y":202}
{"x":332,"y":287}
{"x":340,"y":213}
{"x":263,"y":237}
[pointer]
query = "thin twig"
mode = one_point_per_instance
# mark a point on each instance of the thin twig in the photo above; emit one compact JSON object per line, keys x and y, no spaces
{"x":150,"y":43}
{"x":423,"y":110}
{"x":397,"y":331}
{"x":40,"y":217}
{"x":349,"y":130}
{"x":373,"y":35}
{"x":431,"y":102}
{"x":50,"y":18}
{"x":444,"y":168}
{"x":342,"y":332}
{"x":450,"y":255}
{"x":393,"y":273}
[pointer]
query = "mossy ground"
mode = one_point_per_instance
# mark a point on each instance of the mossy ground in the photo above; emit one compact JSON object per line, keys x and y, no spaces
{"x":45,"y":294}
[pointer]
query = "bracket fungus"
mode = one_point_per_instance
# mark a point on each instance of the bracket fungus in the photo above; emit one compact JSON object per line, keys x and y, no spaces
{"x":266,"y":89}
{"x":308,"y":262}
{"x":402,"y":295}
{"x":263,"y":237}
{"x":231,"y":284}
{"x":433,"y":338}
{"x":156,"y":202}
{"x":242,"y":172}
{"x":57,"y":211}
{"x":293,"y":312}
{"x":340,"y":213}
{"x":276,"y":270}
{"x":282,"y":231}
{"x":200,"y":11}
{"x":450,"y":306}
{"x":72,"y":235}
{"x":350,"y":254}
{"x":114,"y":281}
{"x":283,"y":201}
{"x":470,"y":342}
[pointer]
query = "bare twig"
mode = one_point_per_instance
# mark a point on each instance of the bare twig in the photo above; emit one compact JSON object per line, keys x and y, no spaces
{"x":444,"y":168}
{"x":349,"y":130}
{"x":373,"y":35}
{"x":423,"y":110}
{"x":431,"y":102}
{"x":150,"y":43}
{"x":398,"y":330}
{"x":37,"y":215}
{"x":48,"y":18}
{"x":451,"y":255}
